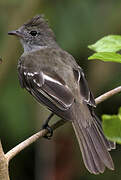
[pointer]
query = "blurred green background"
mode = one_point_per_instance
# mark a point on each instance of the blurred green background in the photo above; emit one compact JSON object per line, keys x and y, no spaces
{"x":77,"y":24}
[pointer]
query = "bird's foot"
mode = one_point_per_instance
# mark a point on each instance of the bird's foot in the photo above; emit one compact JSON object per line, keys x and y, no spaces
{"x":50,"y":131}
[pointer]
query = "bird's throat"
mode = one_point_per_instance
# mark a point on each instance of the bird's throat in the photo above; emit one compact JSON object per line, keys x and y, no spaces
{"x":31,"y":48}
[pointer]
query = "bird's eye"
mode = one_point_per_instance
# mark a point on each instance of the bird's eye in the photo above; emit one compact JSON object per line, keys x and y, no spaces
{"x":33,"y":33}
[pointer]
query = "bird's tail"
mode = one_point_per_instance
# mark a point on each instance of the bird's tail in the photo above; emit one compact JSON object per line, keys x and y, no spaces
{"x":93,"y":145}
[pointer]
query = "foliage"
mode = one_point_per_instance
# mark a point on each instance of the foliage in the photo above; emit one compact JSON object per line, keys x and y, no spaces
{"x":106,"y":49}
{"x":112,"y":126}
{"x":106,"y":56}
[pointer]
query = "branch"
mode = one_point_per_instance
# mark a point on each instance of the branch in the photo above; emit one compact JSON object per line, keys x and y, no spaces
{"x":4,"y":175}
{"x":13,"y":152}
{"x":107,"y":95}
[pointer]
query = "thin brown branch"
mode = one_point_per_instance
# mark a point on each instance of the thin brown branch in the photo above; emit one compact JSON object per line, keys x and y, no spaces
{"x":13,"y":152}
{"x":107,"y":95}
{"x":4,"y":174}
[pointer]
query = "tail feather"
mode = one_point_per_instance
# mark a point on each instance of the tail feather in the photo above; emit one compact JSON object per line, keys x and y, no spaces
{"x":96,"y":158}
{"x":94,"y":146}
{"x":87,"y":155}
{"x":100,"y":146}
{"x":110,"y":145}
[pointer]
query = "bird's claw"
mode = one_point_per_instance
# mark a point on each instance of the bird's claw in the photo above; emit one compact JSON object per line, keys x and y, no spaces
{"x":50,"y":131}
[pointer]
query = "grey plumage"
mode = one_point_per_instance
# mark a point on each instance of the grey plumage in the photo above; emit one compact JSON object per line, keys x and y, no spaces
{"x":54,"y":78}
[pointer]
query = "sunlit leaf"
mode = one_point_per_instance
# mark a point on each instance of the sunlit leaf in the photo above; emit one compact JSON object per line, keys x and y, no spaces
{"x":110,"y":43}
{"x":106,"y":56}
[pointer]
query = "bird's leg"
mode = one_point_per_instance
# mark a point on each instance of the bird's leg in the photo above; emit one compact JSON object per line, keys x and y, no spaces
{"x":46,"y":126}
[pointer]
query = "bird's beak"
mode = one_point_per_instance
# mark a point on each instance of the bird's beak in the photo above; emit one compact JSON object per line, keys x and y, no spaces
{"x":15,"y":33}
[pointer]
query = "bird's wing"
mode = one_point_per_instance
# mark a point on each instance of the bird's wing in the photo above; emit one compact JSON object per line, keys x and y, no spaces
{"x":84,"y":89}
{"x":48,"y":89}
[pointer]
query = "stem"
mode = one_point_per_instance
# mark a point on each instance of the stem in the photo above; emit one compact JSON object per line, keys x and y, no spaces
{"x":107,"y":95}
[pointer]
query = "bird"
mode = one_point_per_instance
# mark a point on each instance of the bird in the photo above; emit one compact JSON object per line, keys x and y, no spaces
{"x":53,"y":77}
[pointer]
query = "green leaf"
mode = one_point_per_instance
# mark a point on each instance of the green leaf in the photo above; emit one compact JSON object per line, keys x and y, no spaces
{"x":106,"y":56}
{"x":110,"y":43}
{"x":112,"y":127}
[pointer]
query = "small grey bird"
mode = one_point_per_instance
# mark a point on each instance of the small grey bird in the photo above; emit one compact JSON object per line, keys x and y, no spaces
{"x":53,"y":77}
